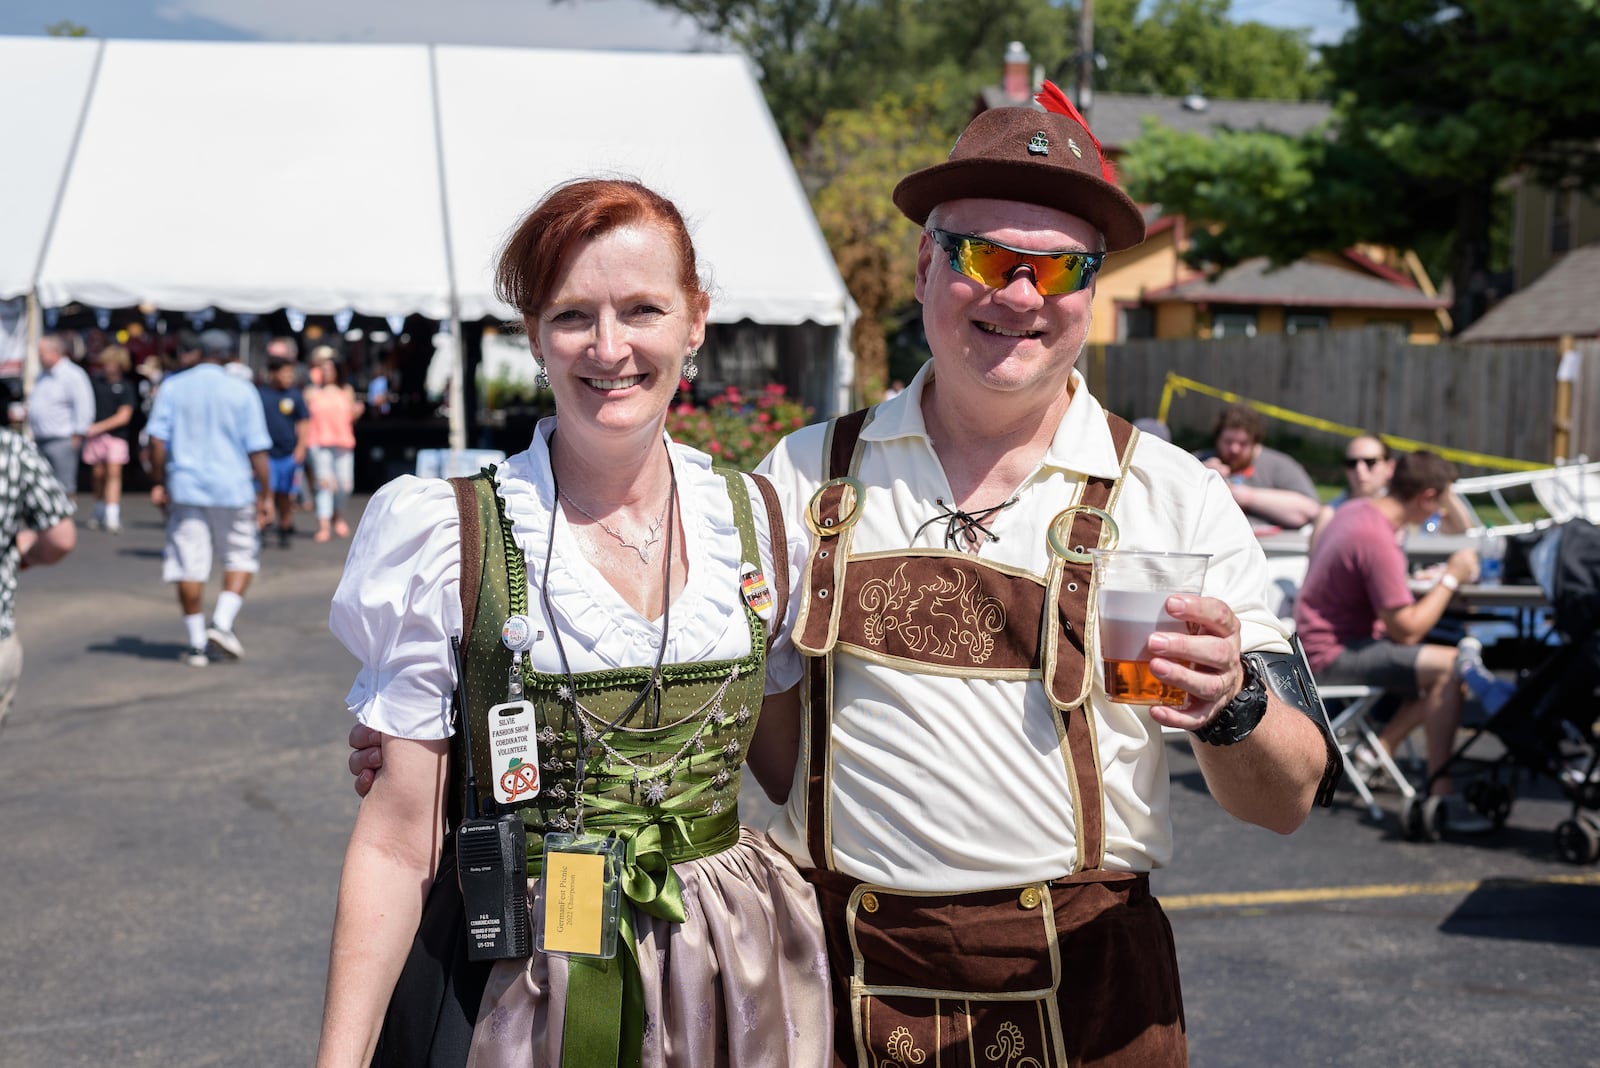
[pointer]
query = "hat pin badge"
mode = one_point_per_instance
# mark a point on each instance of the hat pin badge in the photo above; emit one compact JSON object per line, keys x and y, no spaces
{"x":1072,"y":146}
{"x":1039,"y":145}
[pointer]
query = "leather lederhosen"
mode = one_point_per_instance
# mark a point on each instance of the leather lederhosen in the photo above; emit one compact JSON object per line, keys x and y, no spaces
{"x":1076,"y":970}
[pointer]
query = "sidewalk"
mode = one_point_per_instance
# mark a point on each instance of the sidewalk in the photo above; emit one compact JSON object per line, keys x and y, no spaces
{"x":173,"y":834}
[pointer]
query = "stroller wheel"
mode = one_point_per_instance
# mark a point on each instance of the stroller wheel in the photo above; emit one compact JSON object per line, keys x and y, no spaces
{"x":1577,"y":842}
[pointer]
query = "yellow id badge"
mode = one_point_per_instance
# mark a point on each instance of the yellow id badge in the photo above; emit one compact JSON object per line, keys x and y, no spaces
{"x":582,"y":894}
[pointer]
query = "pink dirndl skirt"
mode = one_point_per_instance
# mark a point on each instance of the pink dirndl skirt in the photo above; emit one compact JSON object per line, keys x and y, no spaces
{"x":742,"y":982}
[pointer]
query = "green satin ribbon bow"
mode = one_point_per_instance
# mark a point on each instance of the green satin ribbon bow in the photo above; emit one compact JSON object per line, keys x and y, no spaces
{"x":604,"y":1023}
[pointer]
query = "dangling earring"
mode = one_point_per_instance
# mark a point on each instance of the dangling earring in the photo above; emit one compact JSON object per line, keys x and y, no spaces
{"x":691,"y":370}
{"x":541,"y":379}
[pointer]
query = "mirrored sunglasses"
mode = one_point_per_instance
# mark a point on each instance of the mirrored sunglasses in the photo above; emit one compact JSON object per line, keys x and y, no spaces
{"x":994,"y":264}
{"x":1350,"y":462}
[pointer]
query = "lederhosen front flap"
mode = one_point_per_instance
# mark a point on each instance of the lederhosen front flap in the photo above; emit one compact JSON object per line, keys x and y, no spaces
{"x":946,"y":612}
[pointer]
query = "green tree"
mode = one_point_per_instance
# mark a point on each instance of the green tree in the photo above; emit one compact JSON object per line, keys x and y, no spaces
{"x":850,"y":164}
{"x":66,"y":28}
{"x":821,"y":56}
{"x":1438,"y":103}
{"x":1457,"y":95}
{"x":1183,"y":46}
{"x":1209,"y":178}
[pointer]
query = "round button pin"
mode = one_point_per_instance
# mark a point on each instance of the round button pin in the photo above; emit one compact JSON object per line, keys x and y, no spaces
{"x":517,"y":633}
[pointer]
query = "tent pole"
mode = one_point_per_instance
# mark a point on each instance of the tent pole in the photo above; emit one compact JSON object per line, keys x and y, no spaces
{"x":458,"y":390}
{"x":32,"y":332}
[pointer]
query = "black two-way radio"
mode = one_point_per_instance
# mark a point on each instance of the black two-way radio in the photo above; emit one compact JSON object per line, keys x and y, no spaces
{"x":491,"y":859}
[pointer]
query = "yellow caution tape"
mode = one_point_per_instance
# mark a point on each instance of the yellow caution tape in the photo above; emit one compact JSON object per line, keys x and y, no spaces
{"x":1177,"y":385}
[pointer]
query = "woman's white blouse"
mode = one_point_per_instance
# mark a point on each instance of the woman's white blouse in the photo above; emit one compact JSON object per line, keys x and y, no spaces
{"x":398,"y":602}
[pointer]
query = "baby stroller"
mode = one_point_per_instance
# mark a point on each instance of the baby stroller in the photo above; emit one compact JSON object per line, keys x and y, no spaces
{"x":1547,"y":726}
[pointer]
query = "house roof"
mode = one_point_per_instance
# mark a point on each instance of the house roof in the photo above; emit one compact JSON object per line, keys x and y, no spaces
{"x":1305,"y":283}
{"x":1560,"y":301}
{"x":1116,"y":117}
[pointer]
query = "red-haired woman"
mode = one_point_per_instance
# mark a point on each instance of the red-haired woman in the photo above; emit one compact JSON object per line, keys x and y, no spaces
{"x":614,"y":563}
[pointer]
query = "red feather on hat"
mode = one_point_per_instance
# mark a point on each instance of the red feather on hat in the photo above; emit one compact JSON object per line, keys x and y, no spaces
{"x":1053,"y":99}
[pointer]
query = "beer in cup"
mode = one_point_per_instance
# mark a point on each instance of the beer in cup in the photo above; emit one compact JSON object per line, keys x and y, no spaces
{"x":1132,"y":588}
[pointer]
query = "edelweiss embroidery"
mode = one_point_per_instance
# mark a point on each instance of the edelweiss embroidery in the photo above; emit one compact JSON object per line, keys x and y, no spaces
{"x":943,"y":618}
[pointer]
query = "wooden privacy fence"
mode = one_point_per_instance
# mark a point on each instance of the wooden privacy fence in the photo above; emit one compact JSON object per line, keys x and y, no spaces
{"x":1497,"y":400}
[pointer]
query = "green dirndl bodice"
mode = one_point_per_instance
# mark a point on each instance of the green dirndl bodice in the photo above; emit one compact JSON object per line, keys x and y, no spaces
{"x":664,"y":780}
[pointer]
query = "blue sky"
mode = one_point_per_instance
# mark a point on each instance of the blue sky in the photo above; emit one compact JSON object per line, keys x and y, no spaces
{"x":573,"y":23}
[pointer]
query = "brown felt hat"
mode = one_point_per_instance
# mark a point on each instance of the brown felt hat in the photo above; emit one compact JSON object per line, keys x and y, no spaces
{"x":1031,"y":156}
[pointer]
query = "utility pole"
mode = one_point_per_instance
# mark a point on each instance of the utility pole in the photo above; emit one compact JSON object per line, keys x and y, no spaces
{"x":1085,"y":92}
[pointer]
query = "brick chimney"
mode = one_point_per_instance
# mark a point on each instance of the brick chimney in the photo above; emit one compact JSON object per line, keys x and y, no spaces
{"x":1015,"y":81}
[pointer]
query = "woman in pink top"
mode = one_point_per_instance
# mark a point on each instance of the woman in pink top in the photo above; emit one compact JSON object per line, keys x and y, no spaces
{"x":331,"y":441}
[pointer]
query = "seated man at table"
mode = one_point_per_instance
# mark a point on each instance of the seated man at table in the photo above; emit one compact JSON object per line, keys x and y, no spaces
{"x":1270,"y":487}
{"x":1360,"y":623}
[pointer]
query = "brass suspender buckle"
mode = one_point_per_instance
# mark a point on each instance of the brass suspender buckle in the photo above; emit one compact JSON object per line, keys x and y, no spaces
{"x":1060,"y":531}
{"x":854,"y":499}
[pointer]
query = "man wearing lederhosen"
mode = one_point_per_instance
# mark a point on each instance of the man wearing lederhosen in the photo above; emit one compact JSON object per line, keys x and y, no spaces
{"x":978,"y":818}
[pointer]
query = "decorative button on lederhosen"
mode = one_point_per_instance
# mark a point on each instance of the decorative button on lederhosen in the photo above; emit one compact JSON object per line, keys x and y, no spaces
{"x":869,"y":902}
{"x":1029,"y":898}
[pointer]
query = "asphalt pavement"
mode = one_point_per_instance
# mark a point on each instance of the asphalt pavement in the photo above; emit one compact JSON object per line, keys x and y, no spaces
{"x":173,"y":838}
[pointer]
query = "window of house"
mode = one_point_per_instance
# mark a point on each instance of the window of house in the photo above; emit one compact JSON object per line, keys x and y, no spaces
{"x":1295,"y":322}
{"x":1561,"y":211}
{"x":1137,"y":322}
{"x":1233,"y":324}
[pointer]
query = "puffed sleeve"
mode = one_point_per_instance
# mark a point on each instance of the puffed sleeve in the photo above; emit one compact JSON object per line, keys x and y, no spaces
{"x":397,"y":606}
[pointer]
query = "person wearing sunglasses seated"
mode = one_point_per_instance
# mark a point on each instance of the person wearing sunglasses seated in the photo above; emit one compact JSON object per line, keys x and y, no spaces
{"x":1368,"y":467}
{"x":1271,"y":487}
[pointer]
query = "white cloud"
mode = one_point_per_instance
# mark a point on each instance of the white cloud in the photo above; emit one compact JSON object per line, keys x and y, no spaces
{"x":522,"y":23}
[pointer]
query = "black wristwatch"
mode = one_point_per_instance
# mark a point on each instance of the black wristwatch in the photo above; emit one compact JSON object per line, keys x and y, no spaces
{"x":1240,"y":715}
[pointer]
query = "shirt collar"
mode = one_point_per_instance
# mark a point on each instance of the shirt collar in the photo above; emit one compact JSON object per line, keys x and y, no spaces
{"x":1082,"y":443}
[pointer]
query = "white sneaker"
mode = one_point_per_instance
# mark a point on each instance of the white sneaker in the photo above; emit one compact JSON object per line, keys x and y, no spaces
{"x":194,"y":657}
{"x":225,"y":641}
{"x":1369,"y":767}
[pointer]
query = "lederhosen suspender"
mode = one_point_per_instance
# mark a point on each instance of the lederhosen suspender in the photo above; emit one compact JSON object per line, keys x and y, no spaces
{"x":1045,"y":624}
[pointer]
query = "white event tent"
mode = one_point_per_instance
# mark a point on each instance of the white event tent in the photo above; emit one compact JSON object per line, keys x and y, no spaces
{"x":250,"y":177}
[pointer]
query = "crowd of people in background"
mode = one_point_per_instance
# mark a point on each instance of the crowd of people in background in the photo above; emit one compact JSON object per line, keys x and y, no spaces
{"x":94,"y":392}
{"x":106,"y":408}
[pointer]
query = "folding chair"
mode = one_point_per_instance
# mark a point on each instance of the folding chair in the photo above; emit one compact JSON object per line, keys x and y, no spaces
{"x":1352,"y":725}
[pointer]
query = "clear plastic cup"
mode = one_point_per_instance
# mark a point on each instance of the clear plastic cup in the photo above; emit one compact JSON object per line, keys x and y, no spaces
{"x":1132,"y":587}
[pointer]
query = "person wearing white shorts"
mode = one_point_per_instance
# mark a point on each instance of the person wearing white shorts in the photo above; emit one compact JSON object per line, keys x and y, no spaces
{"x":208,"y":458}
{"x":196,"y":533}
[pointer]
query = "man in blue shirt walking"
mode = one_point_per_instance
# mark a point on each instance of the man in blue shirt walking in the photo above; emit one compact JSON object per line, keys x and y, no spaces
{"x":208,"y":458}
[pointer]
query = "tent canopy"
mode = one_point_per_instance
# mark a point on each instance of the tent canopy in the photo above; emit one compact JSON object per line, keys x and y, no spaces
{"x":378,"y":178}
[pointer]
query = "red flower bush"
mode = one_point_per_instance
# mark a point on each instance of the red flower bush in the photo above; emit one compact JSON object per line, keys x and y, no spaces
{"x":734,"y":429}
